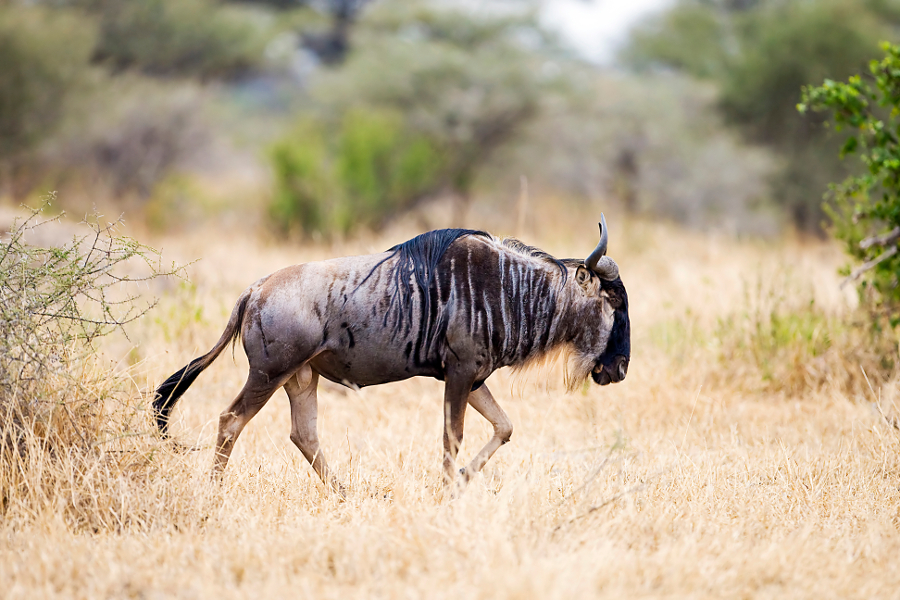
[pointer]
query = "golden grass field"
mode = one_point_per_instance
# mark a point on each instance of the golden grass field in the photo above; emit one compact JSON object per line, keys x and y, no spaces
{"x":703,"y":474}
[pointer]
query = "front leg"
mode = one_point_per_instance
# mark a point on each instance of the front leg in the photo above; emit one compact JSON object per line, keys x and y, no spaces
{"x":456,"y":392}
{"x":482,"y":401}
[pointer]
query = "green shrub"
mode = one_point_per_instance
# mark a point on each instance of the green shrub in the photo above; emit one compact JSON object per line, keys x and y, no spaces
{"x":304,"y":181}
{"x":359,"y":171}
{"x":866,"y":208}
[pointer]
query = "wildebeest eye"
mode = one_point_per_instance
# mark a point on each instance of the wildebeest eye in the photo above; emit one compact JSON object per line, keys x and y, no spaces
{"x":615,"y":301}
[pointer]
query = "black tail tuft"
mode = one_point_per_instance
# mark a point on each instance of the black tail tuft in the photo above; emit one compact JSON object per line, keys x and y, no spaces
{"x":171,"y":390}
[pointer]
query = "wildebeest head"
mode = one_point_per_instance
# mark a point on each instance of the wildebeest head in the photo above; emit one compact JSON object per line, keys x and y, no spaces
{"x":608,"y":349}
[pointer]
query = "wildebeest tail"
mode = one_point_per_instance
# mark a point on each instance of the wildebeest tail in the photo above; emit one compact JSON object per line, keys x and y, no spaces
{"x":168,"y":393}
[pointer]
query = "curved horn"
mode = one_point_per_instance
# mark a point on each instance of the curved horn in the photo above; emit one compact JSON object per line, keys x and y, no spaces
{"x":597,"y":261}
{"x":591,"y":261}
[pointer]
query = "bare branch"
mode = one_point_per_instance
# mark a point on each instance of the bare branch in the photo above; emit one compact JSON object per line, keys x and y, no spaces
{"x":881,"y":240}
{"x":857,"y":272}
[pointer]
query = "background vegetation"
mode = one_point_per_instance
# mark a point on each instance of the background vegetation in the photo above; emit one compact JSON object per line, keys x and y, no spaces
{"x":760,"y":53}
{"x":340,"y":114}
{"x":106,"y":100}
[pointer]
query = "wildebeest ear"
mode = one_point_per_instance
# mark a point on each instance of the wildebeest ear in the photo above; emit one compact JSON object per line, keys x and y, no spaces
{"x":583,"y":278}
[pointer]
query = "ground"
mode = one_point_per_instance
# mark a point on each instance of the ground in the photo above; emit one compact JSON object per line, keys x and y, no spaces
{"x":695,"y":477}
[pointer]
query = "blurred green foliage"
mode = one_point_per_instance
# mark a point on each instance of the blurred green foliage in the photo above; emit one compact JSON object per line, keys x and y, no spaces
{"x":114,"y":98}
{"x":422,"y":105}
{"x":380,"y":159}
{"x":188,"y":38}
{"x":760,"y":53}
{"x":358,"y":171}
{"x":866,"y":207}
{"x":61,"y":102}
{"x":44,"y":59}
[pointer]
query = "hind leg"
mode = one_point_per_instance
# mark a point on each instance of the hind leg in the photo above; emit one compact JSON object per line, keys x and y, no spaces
{"x":256,"y":392}
{"x":301,"y":390}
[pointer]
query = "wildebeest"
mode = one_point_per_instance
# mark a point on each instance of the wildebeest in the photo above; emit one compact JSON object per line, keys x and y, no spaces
{"x":453,"y":304}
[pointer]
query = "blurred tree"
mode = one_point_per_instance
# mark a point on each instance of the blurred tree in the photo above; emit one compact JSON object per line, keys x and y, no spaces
{"x":44,"y":56}
{"x":461,"y":84}
{"x":689,"y":37}
{"x":276,"y":4}
{"x":187,"y":38}
{"x":126,"y":131}
{"x":330,"y":46}
{"x":142,"y":133}
{"x":866,"y":208}
{"x":654,"y":143}
{"x":760,"y":53}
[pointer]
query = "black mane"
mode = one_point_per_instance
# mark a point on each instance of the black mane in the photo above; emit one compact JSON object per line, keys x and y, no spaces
{"x":426,"y":249}
{"x":419,"y":257}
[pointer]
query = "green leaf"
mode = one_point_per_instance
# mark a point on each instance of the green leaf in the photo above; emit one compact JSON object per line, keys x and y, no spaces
{"x":850,"y":145}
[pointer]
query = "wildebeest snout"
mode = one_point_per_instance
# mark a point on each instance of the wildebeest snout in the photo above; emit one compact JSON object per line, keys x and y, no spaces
{"x":613,"y":372}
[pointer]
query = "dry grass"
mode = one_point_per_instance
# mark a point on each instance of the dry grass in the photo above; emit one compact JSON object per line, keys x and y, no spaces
{"x":694,"y":477}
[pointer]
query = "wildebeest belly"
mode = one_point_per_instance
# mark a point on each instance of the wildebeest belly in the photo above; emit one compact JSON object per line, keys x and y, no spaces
{"x":372,"y":367}
{"x":367,"y":341}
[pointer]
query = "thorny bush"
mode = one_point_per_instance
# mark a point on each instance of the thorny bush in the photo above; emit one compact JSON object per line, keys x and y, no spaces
{"x":866,"y":208}
{"x":58,"y":400}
